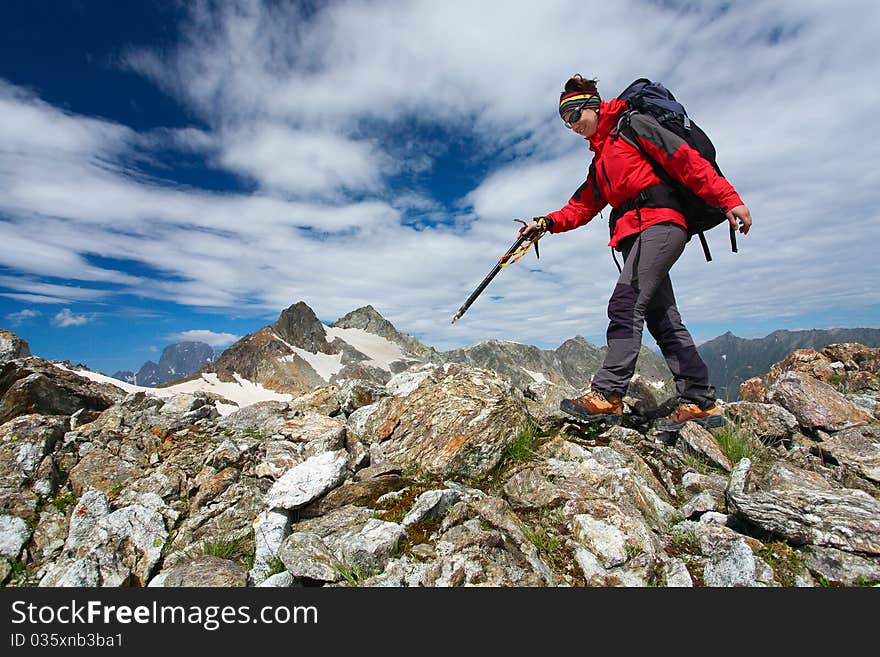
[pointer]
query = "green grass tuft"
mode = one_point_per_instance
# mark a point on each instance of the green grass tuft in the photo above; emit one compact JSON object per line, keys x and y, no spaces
{"x":738,"y":443}
{"x":525,"y":445}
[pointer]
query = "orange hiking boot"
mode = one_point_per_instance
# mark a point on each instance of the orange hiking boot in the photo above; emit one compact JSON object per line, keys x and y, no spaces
{"x":689,"y":412}
{"x":593,"y":405}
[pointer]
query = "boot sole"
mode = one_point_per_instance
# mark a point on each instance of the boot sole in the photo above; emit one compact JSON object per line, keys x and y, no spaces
{"x":581,"y":415}
{"x":708,"y":422}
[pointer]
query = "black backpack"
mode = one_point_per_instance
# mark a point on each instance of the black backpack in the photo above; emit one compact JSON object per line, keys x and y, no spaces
{"x":654,"y":99}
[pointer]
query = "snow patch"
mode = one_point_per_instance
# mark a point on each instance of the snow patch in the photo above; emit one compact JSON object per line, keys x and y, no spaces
{"x":537,"y":376}
{"x":326,"y":365}
{"x":380,"y":351}
{"x":241,"y":391}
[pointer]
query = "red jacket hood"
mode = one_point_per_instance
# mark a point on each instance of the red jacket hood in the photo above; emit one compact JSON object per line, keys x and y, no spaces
{"x":609,"y":114}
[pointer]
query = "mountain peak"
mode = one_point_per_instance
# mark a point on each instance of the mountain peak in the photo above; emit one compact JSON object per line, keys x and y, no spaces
{"x":299,"y":326}
{"x":367,"y":318}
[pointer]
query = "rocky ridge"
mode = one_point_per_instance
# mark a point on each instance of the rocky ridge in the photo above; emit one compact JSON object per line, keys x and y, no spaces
{"x":445,"y":475}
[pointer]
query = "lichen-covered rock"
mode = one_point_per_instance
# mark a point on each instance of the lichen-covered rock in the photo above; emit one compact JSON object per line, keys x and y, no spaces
{"x":27,"y":469}
{"x":457,"y":422}
{"x":305,"y":555}
{"x":356,"y":393}
{"x":322,"y":400}
{"x":372,"y":546}
{"x":753,"y":390}
{"x":104,"y":471}
{"x":111,"y":548}
{"x":807,"y":361}
{"x":854,"y":356}
{"x":14,"y":534}
{"x":271,"y":528}
{"x":816,"y":405}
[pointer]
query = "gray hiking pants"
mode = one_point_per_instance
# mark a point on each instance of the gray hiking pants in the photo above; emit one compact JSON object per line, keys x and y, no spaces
{"x":644,"y":295}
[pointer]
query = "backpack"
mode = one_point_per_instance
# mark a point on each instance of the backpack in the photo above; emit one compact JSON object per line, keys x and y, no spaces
{"x":654,"y":99}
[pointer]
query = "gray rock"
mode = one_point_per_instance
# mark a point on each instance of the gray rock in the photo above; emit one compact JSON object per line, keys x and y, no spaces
{"x":308,"y":481}
{"x":603,"y":540}
{"x":740,"y":477}
{"x":677,"y":575}
{"x":206,"y":571}
{"x":786,"y":476}
{"x":50,"y":533}
{"x":736,"y":567}
{"x":271,"y":528}
{"x":14,"y":534}
{"x":305,"y":554}
{"x":278,"y":581}
{"x":840,"y":567}
{"x":857,"y":448}
{"x":373,"y":545}
{"x":845,"y":519}
{"x":429,"y":505}
{"x":701,"y":442}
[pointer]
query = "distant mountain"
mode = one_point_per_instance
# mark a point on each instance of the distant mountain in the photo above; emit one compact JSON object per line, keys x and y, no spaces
{"x":178,"y":361}
{"x":732,"y":360}
{"x":298,"y":352}
{"x":573,"y":363}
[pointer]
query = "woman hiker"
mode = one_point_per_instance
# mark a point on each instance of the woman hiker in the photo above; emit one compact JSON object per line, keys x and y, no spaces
{"x":651,"y":240}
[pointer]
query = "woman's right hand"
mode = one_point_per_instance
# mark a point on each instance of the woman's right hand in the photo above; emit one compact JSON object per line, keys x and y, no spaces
{"x":533,"y":228}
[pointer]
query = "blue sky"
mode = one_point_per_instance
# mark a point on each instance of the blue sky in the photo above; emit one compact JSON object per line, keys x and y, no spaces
{"x":174,"y":171}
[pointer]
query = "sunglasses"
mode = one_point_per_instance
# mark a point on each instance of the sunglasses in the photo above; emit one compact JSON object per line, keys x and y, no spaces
{"x":575,"y":116}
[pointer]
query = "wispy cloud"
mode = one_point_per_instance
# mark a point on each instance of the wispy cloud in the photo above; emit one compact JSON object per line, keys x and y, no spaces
{"x":66,"y":317}
{"x":17,"y":318}
{"x":203,"y":335}
{"x":319,"y":110}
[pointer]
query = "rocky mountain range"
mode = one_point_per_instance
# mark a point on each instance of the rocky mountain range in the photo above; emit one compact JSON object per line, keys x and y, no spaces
{"x":446,"y":475}
{"x":298,"y":352}
{"x":732,"y":360}
{"x":178,"y":361}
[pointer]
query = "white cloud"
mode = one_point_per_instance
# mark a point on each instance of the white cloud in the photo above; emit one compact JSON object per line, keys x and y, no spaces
{"x":203,"y":335}
{"x":66,"y":317}
{"x":21,"y":316}
{"x":321,"y":111}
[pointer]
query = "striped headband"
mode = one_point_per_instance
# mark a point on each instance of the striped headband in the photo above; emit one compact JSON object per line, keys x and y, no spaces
{"x":574,"y":100}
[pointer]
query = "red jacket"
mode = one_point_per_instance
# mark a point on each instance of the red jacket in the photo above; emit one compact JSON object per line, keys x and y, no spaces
{"x":622,"y":171}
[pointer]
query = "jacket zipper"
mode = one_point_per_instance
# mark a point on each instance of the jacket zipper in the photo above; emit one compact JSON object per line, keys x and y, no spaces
{"x":607,"y":179}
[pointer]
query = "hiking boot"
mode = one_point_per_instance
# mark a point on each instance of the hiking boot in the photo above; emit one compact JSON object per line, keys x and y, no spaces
{"x":690,"y":412}
{"x":593,"y":405}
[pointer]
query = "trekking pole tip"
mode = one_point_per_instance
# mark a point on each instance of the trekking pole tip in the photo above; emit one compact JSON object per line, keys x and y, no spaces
{"x":457,"y":316}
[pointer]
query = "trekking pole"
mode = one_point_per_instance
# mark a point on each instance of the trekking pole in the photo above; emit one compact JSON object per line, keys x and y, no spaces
{"x":515,"y":250}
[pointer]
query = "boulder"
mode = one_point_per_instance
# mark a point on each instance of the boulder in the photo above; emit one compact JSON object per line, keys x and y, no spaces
{"x":33,"y":385}
{"x":816,"y":405}
{"x":458,"y":422}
